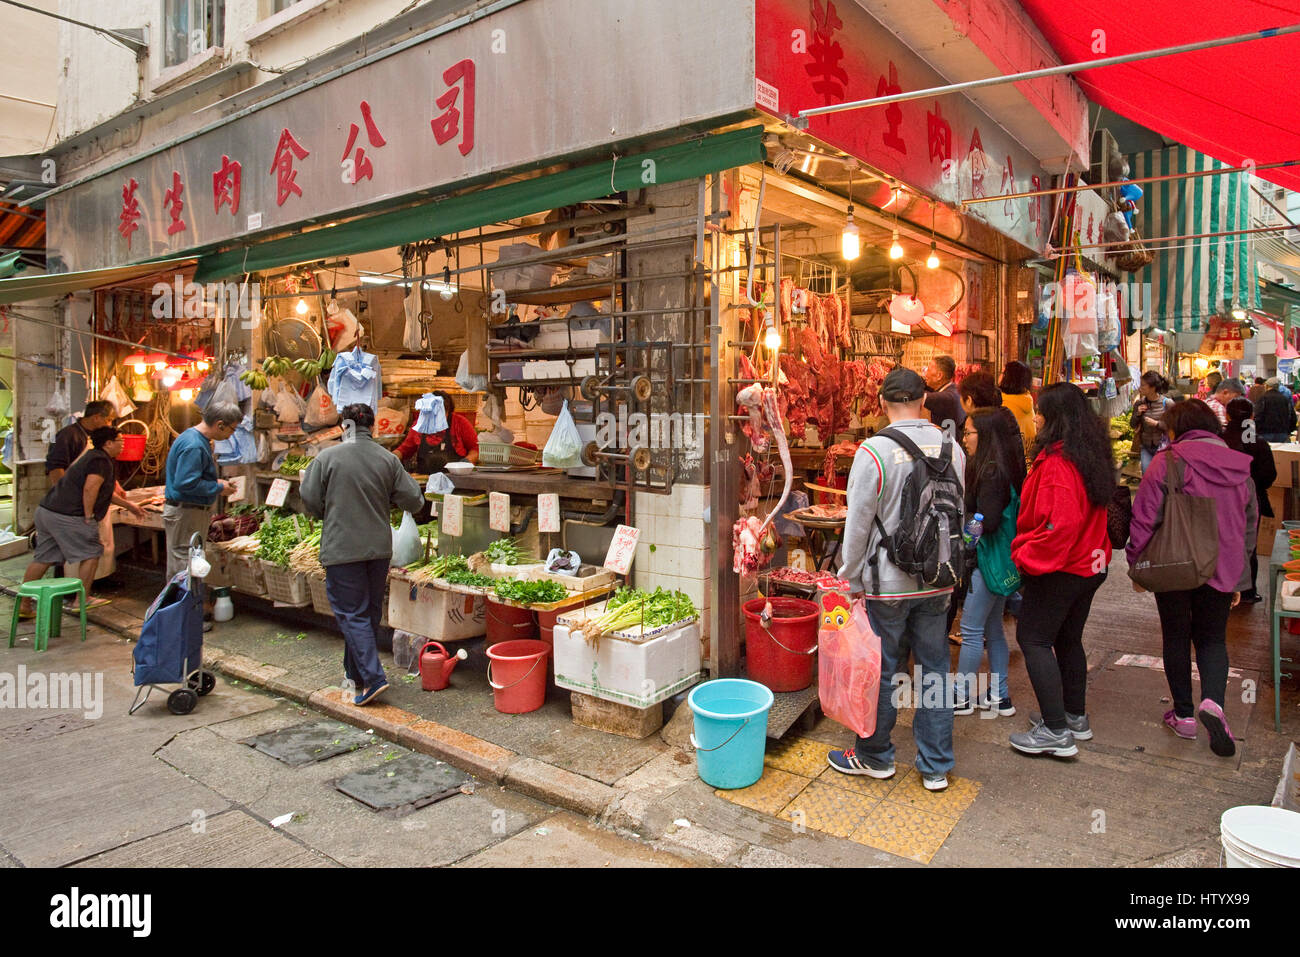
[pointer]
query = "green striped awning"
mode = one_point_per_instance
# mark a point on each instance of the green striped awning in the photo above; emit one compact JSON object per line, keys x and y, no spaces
{"x":1193,"y":280}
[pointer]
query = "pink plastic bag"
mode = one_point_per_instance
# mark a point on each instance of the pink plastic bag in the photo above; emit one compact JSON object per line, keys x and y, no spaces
{"x":848,"y":668}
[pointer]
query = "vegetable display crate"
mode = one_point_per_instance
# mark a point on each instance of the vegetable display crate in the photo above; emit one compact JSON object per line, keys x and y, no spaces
{"x":638,"y":672}
{"x":246,"y":574}
{"x":286,"y":586}
{"x":320,"y":602}
{"x":13,"y":549}
{"x":500,"y":455}
{"x":440,"y":612}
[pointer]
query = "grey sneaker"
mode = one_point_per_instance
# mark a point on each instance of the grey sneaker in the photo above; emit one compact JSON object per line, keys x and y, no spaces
{"x":1077,"y":723}
{"x":1040,"y":739}
{"x":935,"y":782}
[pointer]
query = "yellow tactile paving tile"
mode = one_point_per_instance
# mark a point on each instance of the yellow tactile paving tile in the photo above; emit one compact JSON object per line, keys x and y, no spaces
{"x":830,"y":810}
{"x":798,"y":756}
{"x":952,"y":802}
{"x":774,"y":790}
{"x":904,"y":831}
{"x":859,"y":783}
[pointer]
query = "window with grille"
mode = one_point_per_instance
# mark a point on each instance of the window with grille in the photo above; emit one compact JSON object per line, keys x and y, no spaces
{"x":190,"y":27}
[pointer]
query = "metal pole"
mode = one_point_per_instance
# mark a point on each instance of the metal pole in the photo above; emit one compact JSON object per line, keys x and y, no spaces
{"x":1277,"y":209}
{"x":1052,"y":71}
{"x":1190,"y":174}
{"x":93,"y":335}
{"x":1166,"y":239}
{"x":135,"y":46}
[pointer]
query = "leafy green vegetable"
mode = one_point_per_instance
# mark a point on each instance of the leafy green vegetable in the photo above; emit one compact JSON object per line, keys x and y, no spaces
{"x":506,"y":551}
{"x":530,"y":593}
{"x":630,"y":607}
{"x":467,"y":577}
{"x":280,"y":534}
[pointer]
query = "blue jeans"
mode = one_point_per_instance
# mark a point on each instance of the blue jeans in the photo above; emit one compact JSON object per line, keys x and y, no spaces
{"x":1273,"y":438}
{"x":1147,"y":456}
{"x":356,"y":594}
{"x":981,"y":624}
{"x":915,"y":626}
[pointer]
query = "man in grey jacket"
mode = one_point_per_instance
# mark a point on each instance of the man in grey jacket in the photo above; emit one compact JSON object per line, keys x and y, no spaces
{"x":908,"y":615}
{"x":353,"y":487}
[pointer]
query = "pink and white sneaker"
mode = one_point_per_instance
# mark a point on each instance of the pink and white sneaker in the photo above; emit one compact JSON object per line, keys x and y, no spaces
{"x":1183,"y":727}
{"x":1222,"y":742}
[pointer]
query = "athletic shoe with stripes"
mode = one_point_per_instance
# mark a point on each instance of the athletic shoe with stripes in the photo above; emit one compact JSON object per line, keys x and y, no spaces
{"x":846,"y":762}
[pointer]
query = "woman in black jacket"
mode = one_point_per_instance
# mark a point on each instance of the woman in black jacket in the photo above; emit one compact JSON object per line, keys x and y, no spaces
{"x":1263,"y":472}
{"x":995,"y":465}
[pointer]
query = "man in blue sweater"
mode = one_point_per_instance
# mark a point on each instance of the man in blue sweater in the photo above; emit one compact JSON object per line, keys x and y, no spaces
{"x":192,"y":483}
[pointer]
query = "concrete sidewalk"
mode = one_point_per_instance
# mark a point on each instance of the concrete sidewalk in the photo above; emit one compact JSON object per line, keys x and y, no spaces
{"x":1136,"y":795}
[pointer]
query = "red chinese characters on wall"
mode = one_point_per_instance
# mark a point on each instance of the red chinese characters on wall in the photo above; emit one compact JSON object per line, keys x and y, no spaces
{"x":128,"y":221}
{"x":939,"y":134}
{"x":362,"y":167}
{"x":282,"y":167}
{"x":829,"y":78}
{"x":1008,"y":186}
{"x":175,"y":205}
{"x":226,"y":184}
{"x":456,"y":121}
{"x":893,"y":112}
{"x":978,"y":164}
{"x":1035,"y":208}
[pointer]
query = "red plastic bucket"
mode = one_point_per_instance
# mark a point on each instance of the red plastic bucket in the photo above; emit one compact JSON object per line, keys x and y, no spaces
{"x":132,"y":443}
{"x":508,"y":623}
{"x":517,"y":674}
{"x":780,"y":653}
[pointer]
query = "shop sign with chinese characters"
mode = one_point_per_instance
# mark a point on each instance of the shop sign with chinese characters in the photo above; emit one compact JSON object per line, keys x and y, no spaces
{"x":813,"y":53}
{"x":508,"y":90}
{"x":1223,"y":340}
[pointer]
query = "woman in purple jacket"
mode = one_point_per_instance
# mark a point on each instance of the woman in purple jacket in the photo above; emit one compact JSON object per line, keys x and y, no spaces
{"x":1200,"y":617}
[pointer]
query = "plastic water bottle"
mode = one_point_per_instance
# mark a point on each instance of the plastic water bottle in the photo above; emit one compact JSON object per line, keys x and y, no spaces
{"x":973,"y":530}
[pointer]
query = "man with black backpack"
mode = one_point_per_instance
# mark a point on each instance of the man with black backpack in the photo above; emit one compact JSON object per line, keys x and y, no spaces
{"x":903,"y":552}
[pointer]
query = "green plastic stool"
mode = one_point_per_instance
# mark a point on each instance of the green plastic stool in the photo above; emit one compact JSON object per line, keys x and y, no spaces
{"x":49,"y":594}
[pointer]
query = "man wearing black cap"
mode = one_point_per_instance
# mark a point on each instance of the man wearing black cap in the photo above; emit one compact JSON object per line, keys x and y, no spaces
{"x":908,"y":615}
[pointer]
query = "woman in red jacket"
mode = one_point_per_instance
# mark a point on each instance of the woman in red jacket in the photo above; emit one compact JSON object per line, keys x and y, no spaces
{"x":1062,"y":550}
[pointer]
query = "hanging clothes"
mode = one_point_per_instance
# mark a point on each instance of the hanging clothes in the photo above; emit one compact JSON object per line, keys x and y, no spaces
{"x":240,"y":448}
{"x":432,"y":413}
{"x":355,"y":378}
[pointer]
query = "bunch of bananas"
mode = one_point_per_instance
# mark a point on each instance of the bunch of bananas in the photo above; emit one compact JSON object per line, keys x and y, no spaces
{"x":254,"y":378}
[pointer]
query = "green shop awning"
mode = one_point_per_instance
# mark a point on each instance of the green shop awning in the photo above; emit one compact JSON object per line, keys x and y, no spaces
{"x":1193,"y":280}
{"x":12,"y":264}
{"x":451,"y":215}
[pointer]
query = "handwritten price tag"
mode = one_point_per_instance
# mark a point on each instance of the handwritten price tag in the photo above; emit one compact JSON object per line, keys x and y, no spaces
{"x":622,"y":549}
{"x":548,"y":513}
{"x":499,"y":512}
{"x":279,"y":491}
{"x":452,"y":511}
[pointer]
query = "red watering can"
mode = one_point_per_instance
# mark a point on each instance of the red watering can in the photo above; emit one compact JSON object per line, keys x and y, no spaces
{"x":436,"y":666}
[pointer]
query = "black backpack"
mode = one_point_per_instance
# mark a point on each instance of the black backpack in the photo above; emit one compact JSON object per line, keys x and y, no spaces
{"x":927,"y":542}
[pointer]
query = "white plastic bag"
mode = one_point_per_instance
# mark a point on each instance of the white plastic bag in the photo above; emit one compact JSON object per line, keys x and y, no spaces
{"x":470,"y":383}
{"x":439,"y":484}
{"x":342,"y":327}
{"x":114,"y":393}
{"x":406,"y":542}
{"x":58,"y":406}
{"x":289,"y":407}
{"x":564,"y":447}
{"x":321,"y":412}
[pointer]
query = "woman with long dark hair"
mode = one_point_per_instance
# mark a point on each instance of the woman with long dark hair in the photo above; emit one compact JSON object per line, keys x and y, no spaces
{"x":1014,"y":385}
{"x":1149,"y":413}
{"x":1240,"y":437}
{"x":1199,"y":616}
{"x":1062,"y":550}
{"x":995,"y":469}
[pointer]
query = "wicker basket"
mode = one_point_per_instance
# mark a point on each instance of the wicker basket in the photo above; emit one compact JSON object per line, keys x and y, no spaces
{"x":246,"y":573}
{"x":320,"y":601}
{"x":286,"y":586}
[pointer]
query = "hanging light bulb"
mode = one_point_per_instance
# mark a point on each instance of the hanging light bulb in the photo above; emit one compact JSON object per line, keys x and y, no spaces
{"x":301,"y":308}
{"x":1237,"y":312}
{"x":140,"y":367}
{"x":932,"y":261}
{"x":850,"y":240}
{"x":447,"y":293}
{"x":169,"y":379}
{"x":895,"y":250}
{"x":186,"y":394}
{"x":773,"y":338}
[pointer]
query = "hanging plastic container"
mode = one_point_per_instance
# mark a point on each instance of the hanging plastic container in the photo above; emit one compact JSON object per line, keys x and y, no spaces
{"x":730,"y":733}
{"x":133,"y":443}
{"x":780,"y":652}
{"x":517,"y":674}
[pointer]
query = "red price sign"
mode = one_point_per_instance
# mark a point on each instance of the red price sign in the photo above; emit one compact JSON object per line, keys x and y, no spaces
{"x":452,"y":513}
{"x":279,"y":490}
{"x":548,"y":512}
{"x":622,"y":549}
{"x":499,"y":512}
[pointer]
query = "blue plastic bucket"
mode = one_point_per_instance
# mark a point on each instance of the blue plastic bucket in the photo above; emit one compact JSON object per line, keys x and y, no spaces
{"x":730,"y":731}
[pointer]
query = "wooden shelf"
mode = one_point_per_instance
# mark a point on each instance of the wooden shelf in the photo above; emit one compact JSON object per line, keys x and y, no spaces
{"x":527,"y":383}
{"x":534,"y":483}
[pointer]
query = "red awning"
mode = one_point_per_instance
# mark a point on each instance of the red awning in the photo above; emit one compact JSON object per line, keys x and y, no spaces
{"x":21,"y":227}
{"x":1235,"y":103}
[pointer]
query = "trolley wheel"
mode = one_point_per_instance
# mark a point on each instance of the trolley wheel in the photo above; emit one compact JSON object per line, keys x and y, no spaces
{"x":642,"y":387}
{"x":182,"y":701}
{"x":590,"y":387}
{"x":640,"y":458}
{"x":589,"y":454}
{"x":202,"y":682}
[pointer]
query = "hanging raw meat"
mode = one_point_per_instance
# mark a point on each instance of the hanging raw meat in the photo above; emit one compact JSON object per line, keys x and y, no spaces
{"x":753,"y":542}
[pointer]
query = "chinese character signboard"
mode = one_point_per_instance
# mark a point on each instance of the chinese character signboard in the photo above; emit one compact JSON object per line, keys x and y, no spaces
{"x":622,"y":549}
{"x":548,"y":512}
{"x":499,"y":511}
{"x":484,"y":99}
{"x":1223,"y":340}
{"x":813,"y":53}
{"x":452,"y":515}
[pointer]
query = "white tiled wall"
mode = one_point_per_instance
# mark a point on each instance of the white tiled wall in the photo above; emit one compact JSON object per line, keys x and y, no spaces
{"x":682,"y":558}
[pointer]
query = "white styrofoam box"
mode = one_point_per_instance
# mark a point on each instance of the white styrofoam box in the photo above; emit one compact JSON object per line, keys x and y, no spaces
{"x":435,"y":613}
{"x":557,"y":337}
{"x":633,"y":673}
{"x":1291,"y":596}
